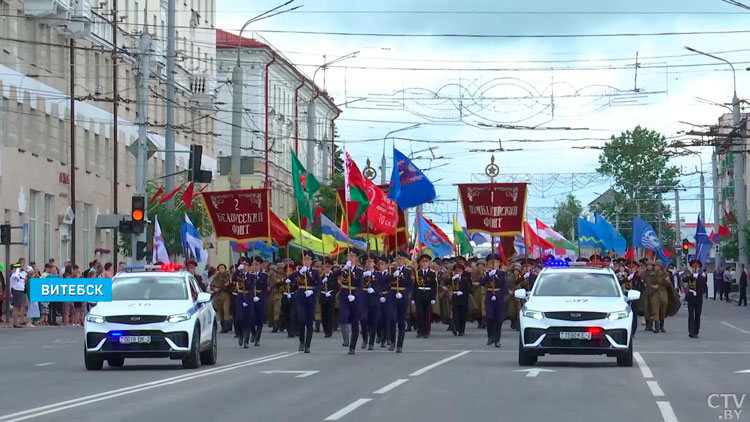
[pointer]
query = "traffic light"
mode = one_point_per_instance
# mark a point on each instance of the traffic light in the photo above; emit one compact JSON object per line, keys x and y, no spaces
{"x":140,"y":251}
{"x":195,"y":174}
{"x":5,"y":234}
{"x":138,"y":214}
{"x":685,"y":246}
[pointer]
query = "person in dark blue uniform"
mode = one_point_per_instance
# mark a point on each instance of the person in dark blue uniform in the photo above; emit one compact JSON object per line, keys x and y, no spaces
{"x":401,"y":285}
{"x":497,"y":287}
{"x":459,"y":287}
{"x":383,"y":279}
{"x":260,"y":296}
{"x":329,"y":286}
{"x":307,"y":283}
{"x":350,"y":296}
{"x":425,"y":294}
{"x":695,"y":284}
{"x":369,"y":307}
{"x":237,"y":284}
{"x":245,"y":304}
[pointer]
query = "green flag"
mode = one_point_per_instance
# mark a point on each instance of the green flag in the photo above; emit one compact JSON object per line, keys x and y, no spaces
{"x":305,"y":186}
{"x":460,"y":238}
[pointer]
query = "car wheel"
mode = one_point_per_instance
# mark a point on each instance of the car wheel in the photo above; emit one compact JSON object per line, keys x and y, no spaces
{"x":208,"y":356}
{"x":116,"y":362}
{"x":91,"y":362}
{"x":626,"y":359}
{"x":524,"y":357}
{"x":193,"y":359}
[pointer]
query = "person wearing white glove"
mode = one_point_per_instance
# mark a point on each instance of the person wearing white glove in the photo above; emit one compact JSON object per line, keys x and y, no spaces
{"x":256,"y":299}
{"x":244,"y":304}
{"x":309,"y":293}
{"x":399,"y":295}
{"x":303,"y":270}
{"x":425,"y":294}
{"x":351,"y":298}
{"x":382,"y":299}
{"x":697,"y":287}
{"x":327,"y":301}
{"x":367,"y":273}
{"x":459,"y":293}
{"x":496,"y":286}
{"x":307,"y":286}
{"x":259,"y":307}
{"x":370,"y":290}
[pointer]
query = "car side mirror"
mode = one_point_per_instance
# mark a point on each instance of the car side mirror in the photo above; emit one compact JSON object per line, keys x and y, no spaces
{"x":204,"y":297}
{"x":520,"y":294}
{"x":633,"y":295}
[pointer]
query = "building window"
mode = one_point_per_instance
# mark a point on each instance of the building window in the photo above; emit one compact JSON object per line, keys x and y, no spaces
{"x":136,"y":15}
{"x":47,"y":227}
{"x":97,"y":155}
{"x":96,"y":70}
{"x":48,"y":143}
{"x":5,"y":119}
{"x":33,"y":199}
{"x":86,"y":233}
{"x":87,"y":149}
{"x":61,"y":137}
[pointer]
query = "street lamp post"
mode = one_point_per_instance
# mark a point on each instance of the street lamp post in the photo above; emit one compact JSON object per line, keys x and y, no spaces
{"x":739,"y":162}
{"x":383,"y":162}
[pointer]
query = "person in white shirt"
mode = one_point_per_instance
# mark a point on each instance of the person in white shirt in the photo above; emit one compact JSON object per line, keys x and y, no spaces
{"x":18,"y":293}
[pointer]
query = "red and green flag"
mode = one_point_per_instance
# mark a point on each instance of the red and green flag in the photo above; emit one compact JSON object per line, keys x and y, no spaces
{"x":356,"y":197}
{"x":305,"y":186}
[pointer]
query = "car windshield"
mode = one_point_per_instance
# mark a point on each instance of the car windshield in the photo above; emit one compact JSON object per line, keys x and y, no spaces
{"x":149,"y":288}
{"x":576,"y":284}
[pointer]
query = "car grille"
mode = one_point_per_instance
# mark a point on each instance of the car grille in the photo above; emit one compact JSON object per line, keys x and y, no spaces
{"x":93,"y":339}
{"x":157,"y":342}
{"x":553,"y":339}
{"x":619,"y":335}
{"x":179,"y":338}
{"x":530,"y":335}
{"x":135,"y":319}
{"x":576,"y":316}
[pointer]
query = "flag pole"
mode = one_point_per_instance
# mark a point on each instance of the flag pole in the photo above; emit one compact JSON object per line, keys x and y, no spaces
{"x":301,"y":239}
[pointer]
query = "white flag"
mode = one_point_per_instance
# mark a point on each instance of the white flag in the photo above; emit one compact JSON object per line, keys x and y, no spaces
{"x":159,"y":253}
{"x":192,"y":242}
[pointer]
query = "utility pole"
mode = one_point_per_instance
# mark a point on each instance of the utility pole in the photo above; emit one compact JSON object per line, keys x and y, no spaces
{"x":115,"y":145}
{"x":739,"y":179}
{"x":677,"y":216}
{"x":72,"y":150}
{"x":703,"y":196}
{"x":141,"y":169}
{"x":169,"y":159}
{"x":234,"y":172}
{"x":717,"y":220}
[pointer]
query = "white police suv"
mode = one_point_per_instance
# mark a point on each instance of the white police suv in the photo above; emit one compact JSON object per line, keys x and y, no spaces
{"x":156,"y":312}
{"x":576,"y":309}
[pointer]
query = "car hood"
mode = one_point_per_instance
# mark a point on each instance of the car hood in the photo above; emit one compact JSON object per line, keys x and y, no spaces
{"x":142,"y":307}
{"x":577,"y":303}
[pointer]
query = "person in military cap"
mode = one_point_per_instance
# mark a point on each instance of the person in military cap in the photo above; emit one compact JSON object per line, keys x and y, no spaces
{"x":288,"y":309}
{"x":649,"y":276}
{"x":659,"y":300}
{"x":516,"y":281}
{"x":383,"y":279}
{"x":370,"y":305}
{"x":478,"y":292}
{"x":221,"y":288}
{"x":459,"y":288}
{"x":350,"y":297}
{"x":400,"y":289}
{"x":307,"y":283}
{"x":695,"y":286}
{"x":245,"y":285}
{"x":260,"y":296}
{"x":496,"y":284}
{"x":329,"y":287}
{"x":425,"y":294}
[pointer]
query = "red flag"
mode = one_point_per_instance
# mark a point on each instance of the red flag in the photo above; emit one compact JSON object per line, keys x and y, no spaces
{"x":714,"y":237}
{"x":650,"y":254}
{"x":187,"y":197}
{"x":630,"y":254}
{"x":156,"y":194}
{"x":531,"y":239}
{"x":168,"y":196}
{"x":724,"y":231}
{"x":729,"y":217}
{"x":316,"y":215}
{"x":381,"y":213}
{"x":501,"y":251}
{"x":279,"y":232}
{"x":667,"y":253}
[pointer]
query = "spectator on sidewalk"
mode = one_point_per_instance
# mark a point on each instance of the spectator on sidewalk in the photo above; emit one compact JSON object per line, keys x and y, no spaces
{"x":107,"y":273}
{"x":67,"y":307}
{"x":55,"y":308}
{"x":2,"y":292}
{"x":743,"y":287}
{"x":18,"y":295}
{"x":728,"y":277}
{"x":718,"y":282}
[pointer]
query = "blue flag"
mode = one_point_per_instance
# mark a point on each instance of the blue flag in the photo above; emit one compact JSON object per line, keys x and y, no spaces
{"x":703,"y":243}
{"x":613,"y":241}
{"x":409,"y":186}
{"x":433,"y":238}
{"x":589,"y":234}
{"x":645,"y":237}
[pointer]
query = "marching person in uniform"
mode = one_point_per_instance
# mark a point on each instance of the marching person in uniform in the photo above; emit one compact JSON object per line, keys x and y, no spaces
{"x":288,"y":309}
{"x":495,"y":282}
{"x":631,"y":280}
{"x":459,"y":289}
{"x":350,"y":282}
{"x":221,"y":287}
{"x":244,"y":305}
{"x":696,"y":287}
{"x":329,"y":286}
{"x":649,"y":280}
{"x":260,"y":296}
{"x":238,"y":284}
{"x":401,"y":285}
{"x":306,"y":283}
{"x":383,"y":281}
{"x":368,"y":311}
{"x":512,"y":305}
{"x":478,"y":293}
{"x":425,"y":294}
{"x":660,"y":290}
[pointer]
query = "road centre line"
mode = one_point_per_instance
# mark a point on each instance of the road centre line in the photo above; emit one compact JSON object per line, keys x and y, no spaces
{"x":645,"y":370}
{"x":390,"y":386}
{"x":45,"y":364}
{"x":438,"y":363}
{"x":735,"y":327}
{"x":346,"y":410}
{"x":667,"y":413}
{"x":655,"y":389}
{"x":81,"y":401}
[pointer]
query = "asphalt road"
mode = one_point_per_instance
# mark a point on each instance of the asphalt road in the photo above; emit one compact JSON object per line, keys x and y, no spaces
{"x":443,"y":378}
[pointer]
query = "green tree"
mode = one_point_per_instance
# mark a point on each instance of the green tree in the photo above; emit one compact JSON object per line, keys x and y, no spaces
{"x":338,"y":160}
{"x":729,"y":247}
{"x":169,"y":221}
{"x":637,"y":161}
{"x":566,"y":217}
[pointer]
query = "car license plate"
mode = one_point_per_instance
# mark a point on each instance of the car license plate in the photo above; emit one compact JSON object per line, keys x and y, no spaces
{"x":135,"y":339}
{"x":575,"y":335}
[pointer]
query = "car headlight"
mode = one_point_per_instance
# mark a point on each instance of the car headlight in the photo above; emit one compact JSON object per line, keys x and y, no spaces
{"x":614,"y":316}
{"x":178,"y":318}
{"x":96,"y":319}
{"x":533,"y":314}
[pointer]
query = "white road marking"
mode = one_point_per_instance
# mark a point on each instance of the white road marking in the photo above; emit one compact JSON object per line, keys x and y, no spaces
{"x":438,"y":363}
{"x":346,"y":410}
{"x":390,"y":386}
{"x":81,"y":401}
{"x":746,"y":371}
{"x":533,"y":372}
{"x":45,"y":364}
{"x":666,"y":411}
{"x":55,"y":347}
{"x":735,"y":327}
{"x":642,"y":364}
{"x":301,"y":374}
{"x":655,"y":389}
{"x":689,"y":352}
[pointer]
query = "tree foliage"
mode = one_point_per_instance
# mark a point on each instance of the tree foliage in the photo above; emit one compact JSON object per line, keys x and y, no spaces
{"x":638,"y":162}
{"x":730,"y":247}
{"x":566,"y":217}
{"x":169,"y":221}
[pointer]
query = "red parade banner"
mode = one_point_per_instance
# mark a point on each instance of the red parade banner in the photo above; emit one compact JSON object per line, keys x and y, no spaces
{"x":494,"y":208}
{"x":239,"y":215}
{"x":392,"y":243}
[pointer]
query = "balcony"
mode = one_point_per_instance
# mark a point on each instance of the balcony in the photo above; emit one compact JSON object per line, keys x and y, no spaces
{"x":50,"y":9}
{"x":202,"y":91}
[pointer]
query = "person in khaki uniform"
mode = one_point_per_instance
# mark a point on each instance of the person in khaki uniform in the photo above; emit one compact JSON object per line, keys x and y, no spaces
{"x":445,"y":297}
{"x":512,"y":305}
{"x":274,"y":298}
{"x":221,"y":288}
{"x":649,"y":280}
{"x":478,"y":293}
{"x":660,"y":289}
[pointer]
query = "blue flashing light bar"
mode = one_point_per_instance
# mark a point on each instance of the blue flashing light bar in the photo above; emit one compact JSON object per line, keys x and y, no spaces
{"x":557,"y":263}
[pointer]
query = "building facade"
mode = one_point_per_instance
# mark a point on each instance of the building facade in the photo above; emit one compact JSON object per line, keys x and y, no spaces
{"x":40,"y":135}
{"x":282,"y":109}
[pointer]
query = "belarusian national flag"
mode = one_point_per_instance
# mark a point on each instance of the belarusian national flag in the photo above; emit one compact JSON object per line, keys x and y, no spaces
{"x":305,"y":186}
{"x":356,"y":193}
{"x":460,"y":238}
{"x":563,"y":247}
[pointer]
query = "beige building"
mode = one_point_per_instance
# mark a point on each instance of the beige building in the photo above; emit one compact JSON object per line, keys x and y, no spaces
{"x":35,"y":116}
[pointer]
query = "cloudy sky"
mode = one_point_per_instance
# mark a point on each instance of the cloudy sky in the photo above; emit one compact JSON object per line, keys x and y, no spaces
{"x":462,"y":88}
